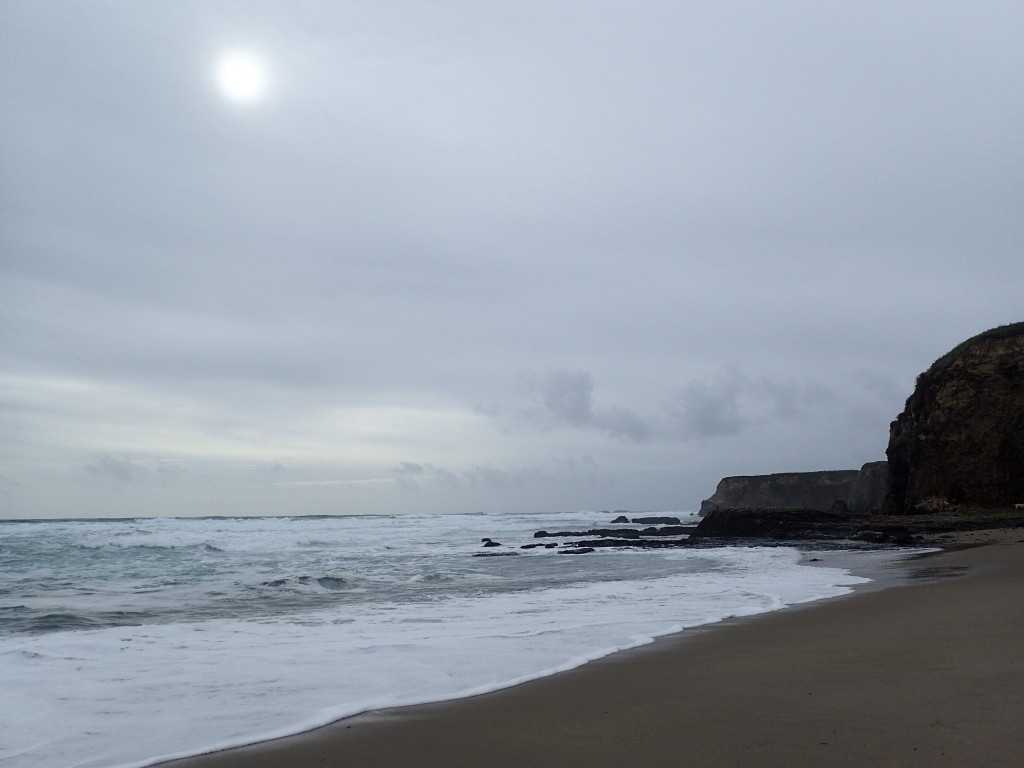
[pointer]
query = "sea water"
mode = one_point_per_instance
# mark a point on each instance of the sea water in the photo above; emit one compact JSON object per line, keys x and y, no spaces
{"x":128,"y":642}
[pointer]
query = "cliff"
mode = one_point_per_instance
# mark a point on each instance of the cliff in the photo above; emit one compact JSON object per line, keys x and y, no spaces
{"x":860,"y":490}
{"x":960,"y":439}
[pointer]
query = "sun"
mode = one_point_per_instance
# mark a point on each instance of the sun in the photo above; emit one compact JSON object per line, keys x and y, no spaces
{"x":241,"y":77}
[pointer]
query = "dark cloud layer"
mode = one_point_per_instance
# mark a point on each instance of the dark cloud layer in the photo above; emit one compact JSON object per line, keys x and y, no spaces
{"x":566,"y":399}
{"x":725,"y":237}
{"x":700,"y":409}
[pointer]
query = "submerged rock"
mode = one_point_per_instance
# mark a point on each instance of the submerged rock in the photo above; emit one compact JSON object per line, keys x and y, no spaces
{"x":495,"y":554}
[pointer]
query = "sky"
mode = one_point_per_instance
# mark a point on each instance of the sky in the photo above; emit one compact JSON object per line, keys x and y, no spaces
{"x":456,"y":256}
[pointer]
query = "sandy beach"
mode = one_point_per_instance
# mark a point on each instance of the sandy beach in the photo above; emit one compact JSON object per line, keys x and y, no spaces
{"x":929,"y":673}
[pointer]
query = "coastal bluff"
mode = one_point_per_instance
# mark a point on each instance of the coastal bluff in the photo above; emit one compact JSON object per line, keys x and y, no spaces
{"x":860,"y":491}
{"x":959,"y":442}
{"x":955,"y":464}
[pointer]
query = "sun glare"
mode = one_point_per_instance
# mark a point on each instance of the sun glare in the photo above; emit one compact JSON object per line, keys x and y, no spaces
{"x":241,"y":77}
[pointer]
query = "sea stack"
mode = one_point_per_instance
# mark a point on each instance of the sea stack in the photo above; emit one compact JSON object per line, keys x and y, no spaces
{"x":960,"y":439}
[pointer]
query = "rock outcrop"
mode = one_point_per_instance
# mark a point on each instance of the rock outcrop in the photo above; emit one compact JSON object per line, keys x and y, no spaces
{"x":775,"y":522}
{"x":960,"y":440}
{"x":802,"y":524}
{"x":860,"y":490}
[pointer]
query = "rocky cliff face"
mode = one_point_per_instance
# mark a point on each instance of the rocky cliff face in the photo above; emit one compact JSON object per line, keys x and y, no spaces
{"x":960,"y":439}
{"x":860,"y":490}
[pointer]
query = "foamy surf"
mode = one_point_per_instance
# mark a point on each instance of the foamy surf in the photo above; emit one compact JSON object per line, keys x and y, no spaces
{"x":245,"y":630}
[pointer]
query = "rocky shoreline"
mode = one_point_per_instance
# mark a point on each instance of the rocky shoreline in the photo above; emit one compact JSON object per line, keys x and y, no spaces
{"x":772,"y":526}
{"x":788,"y":525}
{"x":657,"y":532}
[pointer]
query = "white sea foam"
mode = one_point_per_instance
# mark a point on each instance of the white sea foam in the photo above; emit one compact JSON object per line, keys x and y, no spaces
{"x":91,"y":698}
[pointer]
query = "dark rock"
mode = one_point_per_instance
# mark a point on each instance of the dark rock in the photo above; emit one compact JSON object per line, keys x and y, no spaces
{"x":874,"y":537}
{"x":890,"y":536}
{"x":776,"y":523}
{"x":620,"y":519}
{"x":495,"y":554}
{"x":625,"y":533}
{"x":620,"y":532}
{"x":664,"y":543}
{"x":668,"y":530}
{"x":654,"y":537}
{"x":576,"y":551}
{"x":710,"y":505}
{"x":652,"y":521}
{"x":959,"y":442}
{"x":489,"y":543}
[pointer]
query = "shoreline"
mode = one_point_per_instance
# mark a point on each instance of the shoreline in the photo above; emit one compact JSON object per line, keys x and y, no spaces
{"x":928,"y":671}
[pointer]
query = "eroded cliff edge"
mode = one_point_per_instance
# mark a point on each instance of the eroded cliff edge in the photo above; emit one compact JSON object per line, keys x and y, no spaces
{"x":959,"y":442}
{"x":955,"y":464}
{"x":861,"y":491}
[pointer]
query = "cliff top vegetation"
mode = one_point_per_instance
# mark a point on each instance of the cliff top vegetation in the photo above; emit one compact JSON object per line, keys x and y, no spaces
{"x":1000,"y":332}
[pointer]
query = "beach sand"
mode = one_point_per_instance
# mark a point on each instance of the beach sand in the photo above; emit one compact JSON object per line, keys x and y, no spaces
{"x":927,"y":674}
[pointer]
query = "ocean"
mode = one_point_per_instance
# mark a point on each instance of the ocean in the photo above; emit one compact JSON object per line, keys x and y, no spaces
{"x":128,"y":642}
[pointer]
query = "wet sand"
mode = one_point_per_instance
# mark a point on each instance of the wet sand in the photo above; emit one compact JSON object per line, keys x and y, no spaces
{"x":927,"y":674}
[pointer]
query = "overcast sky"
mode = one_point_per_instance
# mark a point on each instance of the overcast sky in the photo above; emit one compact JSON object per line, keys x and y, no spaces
{"x":457,"y":256}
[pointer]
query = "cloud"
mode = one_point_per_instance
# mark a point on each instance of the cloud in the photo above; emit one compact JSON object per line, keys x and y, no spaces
{"x":123,"y":469}
{"x":703,"y":409}
{"x":329,"y":483}
{"x":339,"y":274}
{"x":885,"y":387}
{"x":413,"y":476}
{"x":622,"y":424}
{"x":8,"y":484}
{"x":410,"y":475}
{"x":494,"y":477}
{"x":726,"y":404}
{"x":731,"y":403}
{"x":565,"y":398}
